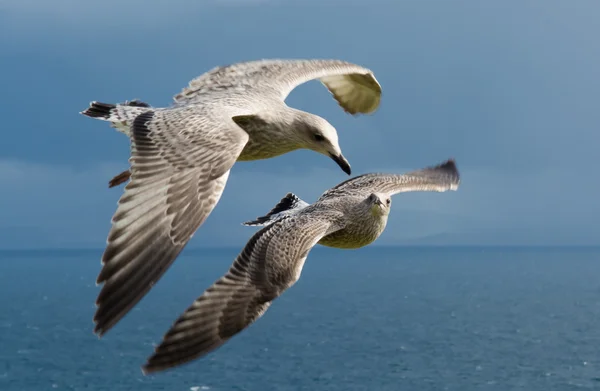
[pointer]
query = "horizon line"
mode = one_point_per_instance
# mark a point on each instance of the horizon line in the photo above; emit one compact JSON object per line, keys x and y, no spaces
{"x":226,"y":247}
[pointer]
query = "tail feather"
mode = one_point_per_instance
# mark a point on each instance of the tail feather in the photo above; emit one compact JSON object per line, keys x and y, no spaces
{"x":287,"y":206}
{"x":136,"y":103}
{"x":99,"y":110}
{"x":121,"y":112}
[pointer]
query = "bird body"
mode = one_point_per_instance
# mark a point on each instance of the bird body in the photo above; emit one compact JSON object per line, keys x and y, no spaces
{"x":351,"y":215}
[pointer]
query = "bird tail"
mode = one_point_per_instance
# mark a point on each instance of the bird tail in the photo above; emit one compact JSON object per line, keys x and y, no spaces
{"x":287,"y":206}
{"x":118,"y":114}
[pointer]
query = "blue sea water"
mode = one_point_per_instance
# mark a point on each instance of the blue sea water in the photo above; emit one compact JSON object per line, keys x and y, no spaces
{"x":377,"y":318}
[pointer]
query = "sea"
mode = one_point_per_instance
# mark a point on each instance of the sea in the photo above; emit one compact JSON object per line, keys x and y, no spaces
{"x":377,"y":318}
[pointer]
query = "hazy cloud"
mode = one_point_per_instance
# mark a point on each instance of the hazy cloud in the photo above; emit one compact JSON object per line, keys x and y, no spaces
{"x":56,"y":206}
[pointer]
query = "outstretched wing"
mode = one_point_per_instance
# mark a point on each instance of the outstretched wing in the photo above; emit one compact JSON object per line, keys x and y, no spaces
{"x":179,"y":168}
{"x":353,"y":87}
{"x":443,"y":177}
{"x":271,"y":262}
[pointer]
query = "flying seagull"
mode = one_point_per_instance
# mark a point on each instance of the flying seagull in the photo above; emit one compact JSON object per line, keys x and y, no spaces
{"x":181,"y":157}
{"x":351,"y":215}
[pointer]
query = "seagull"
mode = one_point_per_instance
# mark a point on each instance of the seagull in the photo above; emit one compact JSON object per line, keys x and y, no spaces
{"x":348,"y":216}
{"x":181,"y":157}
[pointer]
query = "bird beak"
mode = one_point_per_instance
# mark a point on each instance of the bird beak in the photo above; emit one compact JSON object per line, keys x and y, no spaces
{"x":379,"y":202}
{"x":342,"y":162}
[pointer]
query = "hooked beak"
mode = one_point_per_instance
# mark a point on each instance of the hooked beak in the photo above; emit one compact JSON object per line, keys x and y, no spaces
{"x":378,"y":202}
{"x":342,"y":162}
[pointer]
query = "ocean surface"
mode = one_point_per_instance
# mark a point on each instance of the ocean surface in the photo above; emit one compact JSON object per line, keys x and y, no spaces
{"x":378,"y":318}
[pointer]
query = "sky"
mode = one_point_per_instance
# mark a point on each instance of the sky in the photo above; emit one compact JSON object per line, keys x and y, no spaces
{"x":509,"y":89}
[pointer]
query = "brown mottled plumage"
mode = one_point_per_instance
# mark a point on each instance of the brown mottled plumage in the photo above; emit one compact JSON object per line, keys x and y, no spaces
{"x":352,"y":214}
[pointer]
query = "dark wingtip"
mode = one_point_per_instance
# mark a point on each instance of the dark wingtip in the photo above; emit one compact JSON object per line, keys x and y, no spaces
{"x":449,"y":168}
{"x":98,"y":331}
{"x":102,"y":325}
{"x":150,"y":368}
{"x":449,"y":164}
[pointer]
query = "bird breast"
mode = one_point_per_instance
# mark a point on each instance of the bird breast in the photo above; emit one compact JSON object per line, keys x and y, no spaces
{"x":359,"y":233}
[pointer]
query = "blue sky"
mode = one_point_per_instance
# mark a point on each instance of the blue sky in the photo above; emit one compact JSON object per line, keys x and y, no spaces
{"x":510,"y":89}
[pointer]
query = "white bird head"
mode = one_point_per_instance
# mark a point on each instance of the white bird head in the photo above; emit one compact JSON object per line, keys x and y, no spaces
{"x":316,"y":134}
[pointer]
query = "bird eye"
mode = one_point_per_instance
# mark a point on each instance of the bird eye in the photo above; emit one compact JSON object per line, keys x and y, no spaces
{"x":388,"y":202}
{"x":319,"y":137}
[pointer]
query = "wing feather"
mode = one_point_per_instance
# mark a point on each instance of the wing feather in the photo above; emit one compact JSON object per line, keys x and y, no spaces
{"x":440,"y":178}
{"x":354,"y":87}
{"x":270,"y":263}
{"x":174,"y":187}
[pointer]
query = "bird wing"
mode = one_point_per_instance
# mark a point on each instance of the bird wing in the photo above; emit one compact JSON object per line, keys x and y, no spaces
{"x":271,"y":262}
{"x":179,"y":168}
{"x":353,"y":87}
{"x":440,"y":178}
